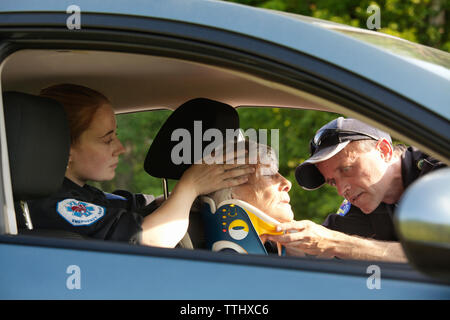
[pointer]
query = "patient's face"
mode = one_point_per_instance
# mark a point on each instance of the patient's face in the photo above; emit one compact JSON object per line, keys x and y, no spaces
{"x":267,"y":190}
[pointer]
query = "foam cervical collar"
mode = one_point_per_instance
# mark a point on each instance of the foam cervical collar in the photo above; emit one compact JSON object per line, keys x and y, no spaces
{"x":236,"y":225}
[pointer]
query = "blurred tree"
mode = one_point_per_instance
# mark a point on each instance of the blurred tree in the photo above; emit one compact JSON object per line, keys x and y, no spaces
{"x":295,"y":130}
{"x":423,"y":21}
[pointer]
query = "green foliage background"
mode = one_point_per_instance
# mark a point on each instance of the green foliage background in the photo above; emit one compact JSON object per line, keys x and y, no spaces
{"x":422,"y":21}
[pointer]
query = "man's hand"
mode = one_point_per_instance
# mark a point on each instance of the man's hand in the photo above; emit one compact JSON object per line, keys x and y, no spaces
{"x":311,"y":238}
{"x":307,"y":237}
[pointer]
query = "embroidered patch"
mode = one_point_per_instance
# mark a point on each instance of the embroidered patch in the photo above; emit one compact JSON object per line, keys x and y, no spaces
{"x":79,"y":213}
{"x":344,"y":208}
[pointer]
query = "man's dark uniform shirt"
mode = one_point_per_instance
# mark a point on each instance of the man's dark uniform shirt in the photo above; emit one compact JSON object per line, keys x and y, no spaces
{"x":90,"y":212}
{"x":379,"y":224}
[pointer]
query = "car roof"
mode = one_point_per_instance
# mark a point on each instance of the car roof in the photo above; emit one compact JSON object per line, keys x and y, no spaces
{"x":424,"y":82}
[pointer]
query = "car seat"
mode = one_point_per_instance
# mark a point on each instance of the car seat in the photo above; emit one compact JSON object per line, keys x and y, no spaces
{"x":38,"y":140}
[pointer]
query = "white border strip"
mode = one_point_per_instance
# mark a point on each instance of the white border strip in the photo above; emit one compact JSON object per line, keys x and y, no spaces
{"x":9,"y":223}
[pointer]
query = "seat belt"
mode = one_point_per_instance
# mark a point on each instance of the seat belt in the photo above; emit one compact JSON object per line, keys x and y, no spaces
{"x":186,"y":242}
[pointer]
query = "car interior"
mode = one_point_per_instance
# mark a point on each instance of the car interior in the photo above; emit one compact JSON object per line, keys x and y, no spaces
{"x":133,"y":83}
{"x":137,"y":82}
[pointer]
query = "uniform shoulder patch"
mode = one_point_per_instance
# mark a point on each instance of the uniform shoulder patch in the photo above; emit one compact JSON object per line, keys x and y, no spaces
{"x":344,"y":208}
{"x":79,"y":213}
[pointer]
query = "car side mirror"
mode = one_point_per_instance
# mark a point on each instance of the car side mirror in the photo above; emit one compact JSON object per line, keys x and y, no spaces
{"x":422,"y":221}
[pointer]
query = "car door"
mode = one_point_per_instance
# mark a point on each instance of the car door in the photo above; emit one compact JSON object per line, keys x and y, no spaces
{"x":53,"y":268}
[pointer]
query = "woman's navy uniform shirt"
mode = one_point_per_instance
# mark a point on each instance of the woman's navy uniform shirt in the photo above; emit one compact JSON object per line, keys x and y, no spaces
{"x":90,"y":212}
{"x":379,"y":223}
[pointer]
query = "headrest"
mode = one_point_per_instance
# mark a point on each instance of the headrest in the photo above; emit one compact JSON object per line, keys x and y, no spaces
{"x":212,"y":114}
{"x":38,"y":139}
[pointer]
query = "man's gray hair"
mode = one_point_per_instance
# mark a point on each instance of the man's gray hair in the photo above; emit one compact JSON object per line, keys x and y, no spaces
{"x":367,"y":145}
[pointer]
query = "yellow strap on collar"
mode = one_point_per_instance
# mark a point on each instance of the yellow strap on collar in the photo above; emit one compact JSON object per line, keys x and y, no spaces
{"x":261,"y":226}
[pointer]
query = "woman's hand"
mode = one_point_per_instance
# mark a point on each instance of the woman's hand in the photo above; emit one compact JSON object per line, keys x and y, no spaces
{"x":207,"y":178}
{"x":167,"y":225}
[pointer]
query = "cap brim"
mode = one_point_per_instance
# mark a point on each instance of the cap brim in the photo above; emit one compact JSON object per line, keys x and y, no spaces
{"x":307,"y":174}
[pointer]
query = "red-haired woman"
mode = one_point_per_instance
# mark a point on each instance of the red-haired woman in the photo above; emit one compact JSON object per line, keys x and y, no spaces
{"x":94,"y":154}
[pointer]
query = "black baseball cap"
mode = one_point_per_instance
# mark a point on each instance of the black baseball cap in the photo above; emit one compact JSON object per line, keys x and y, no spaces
{"x":328,"y":141}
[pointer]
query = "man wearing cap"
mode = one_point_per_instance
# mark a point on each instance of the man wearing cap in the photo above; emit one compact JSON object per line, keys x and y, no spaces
{"x":372,"y":174}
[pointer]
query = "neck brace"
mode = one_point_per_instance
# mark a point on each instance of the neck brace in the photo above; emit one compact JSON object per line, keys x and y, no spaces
{"x":236,"y":225}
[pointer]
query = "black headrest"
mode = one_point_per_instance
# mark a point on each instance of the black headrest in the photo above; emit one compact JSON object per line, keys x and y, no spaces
{"x":212,"y":114}
{"x":38,"y":138}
